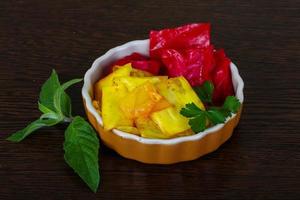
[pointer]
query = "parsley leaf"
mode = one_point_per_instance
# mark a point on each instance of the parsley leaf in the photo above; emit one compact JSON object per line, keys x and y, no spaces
{"x":198,"y":123}
{"x":231,"y":104}
{"x":205,"y":91}
{"x":199,"y":119}
{"x":216,"y":116}
{"x":190,"y":110}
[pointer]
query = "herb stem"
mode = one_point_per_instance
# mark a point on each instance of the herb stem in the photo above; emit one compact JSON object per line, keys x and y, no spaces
{"x":68,"y":119}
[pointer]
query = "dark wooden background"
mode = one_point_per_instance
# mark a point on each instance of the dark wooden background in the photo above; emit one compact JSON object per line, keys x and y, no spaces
{"x":262,"y":159}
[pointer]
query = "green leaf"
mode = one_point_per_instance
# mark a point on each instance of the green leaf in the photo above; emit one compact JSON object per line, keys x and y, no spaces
{"x":231,"y":104}
{"x":39,"y":123}
{"x":198,"y":123}
{"x":197,"y":117}
{"x":52,"y":115}
{"x":205,"y":91}
{"x":47,"y":94}
{"x":190,"y":110}
{"x":66,"y":105}
{"x":44,"y":109}
{"x":49,"y":114}
{"x":81,"y":143}
{"x":213,"y":115}
{"x":216,"y":116}
{"x":225,"y":112}
{"x":61,"y":101}
{"x":48,"y":89}
{"x":81,"y":148}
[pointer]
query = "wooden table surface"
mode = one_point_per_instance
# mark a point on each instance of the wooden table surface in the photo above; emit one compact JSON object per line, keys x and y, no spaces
{"x":260,"y":161}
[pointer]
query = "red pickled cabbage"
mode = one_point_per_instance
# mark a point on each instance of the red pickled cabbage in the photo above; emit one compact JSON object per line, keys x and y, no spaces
{"x":141,"y":62}
{"x":195,"y":64}
{"x":130,"y":58}
{"x":186,"y":51}
{"x":222,"y":79}
{"x":151,"y":66}
{"x":184,"y":37}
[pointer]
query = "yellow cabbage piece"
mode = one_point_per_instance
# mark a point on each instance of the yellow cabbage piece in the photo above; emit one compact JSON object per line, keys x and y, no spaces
{"x":170,"y":121}
{"x":132,"y":82}
{"x":178,"y":92}
{"x":140,"y":73}
{"x":108,"y":80}
{"x":97,"y":106}
{"x":112,"y":115}
{"x":140,"y":101}
{"x":161,"y":104}
{"x":129,"y":129}
{"x":134,"y":72}
{"x":148,"y":129}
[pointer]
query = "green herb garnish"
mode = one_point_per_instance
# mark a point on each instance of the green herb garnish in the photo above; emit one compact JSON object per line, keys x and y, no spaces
{"x":81,"y":151}
{"x":205,"y":91}
{"x":199,"y":119}
{"x":81,"y":144}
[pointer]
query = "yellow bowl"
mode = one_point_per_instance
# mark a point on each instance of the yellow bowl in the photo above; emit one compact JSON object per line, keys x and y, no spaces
{"x":155,"y":151}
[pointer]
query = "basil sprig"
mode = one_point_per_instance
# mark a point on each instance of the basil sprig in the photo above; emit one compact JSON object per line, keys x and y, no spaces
{"x":81,"y":143}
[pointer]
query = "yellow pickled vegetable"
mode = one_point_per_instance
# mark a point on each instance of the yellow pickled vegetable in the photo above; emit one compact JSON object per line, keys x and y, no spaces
{"x":108,"y":80}
{"x":140,"y":101}
{"x":140,"y":73}
{"x":185,"y":133}
{"x":133,"y":82}
{"x":148,"y":129}
{"x":129,"y":129}
{"x":134,"y":72}
{"x":97,"y":106}
{"x":170,"y":121}
{"x":179,"y":92}
{"x":112,"y":115}
{"x":161,"y":104}
{"x":133,"y":101}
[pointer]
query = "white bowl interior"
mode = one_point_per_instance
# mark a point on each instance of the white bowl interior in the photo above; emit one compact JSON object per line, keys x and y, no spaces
{"x":142,"y":46}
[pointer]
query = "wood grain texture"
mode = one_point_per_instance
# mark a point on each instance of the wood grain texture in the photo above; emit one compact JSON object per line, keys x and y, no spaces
{"x":262,"y":159}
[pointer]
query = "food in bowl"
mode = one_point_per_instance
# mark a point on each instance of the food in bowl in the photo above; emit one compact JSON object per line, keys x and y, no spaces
{"x":155,"y":150}
{"x":182,"y":88}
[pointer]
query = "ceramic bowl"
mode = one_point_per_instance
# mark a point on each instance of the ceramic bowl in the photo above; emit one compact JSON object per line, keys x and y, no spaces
{"x":155,"y":151}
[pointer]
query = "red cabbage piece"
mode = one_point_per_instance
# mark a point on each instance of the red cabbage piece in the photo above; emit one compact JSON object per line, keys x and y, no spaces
{"x":222,"y":79}
{"x":184,"y":37}
{"x":187,"y":51}
{"x":130,"y":58}
{"x":141,"y":62}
